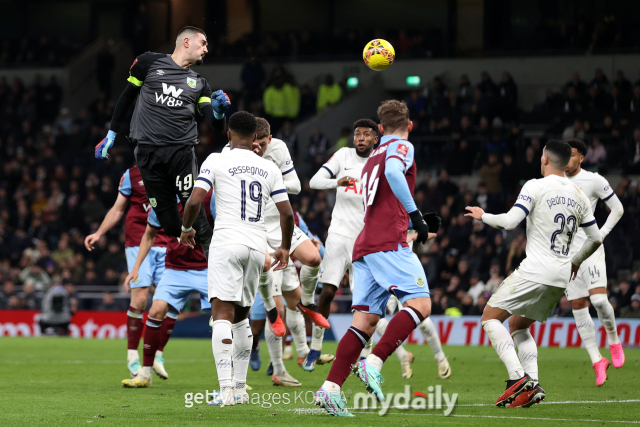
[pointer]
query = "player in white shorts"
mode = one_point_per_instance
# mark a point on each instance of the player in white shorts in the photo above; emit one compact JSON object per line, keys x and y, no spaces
{"x":554,"y":208}
{"x":243,"y":184}
{"x":271,"y":289}
{"x":591,"y":282}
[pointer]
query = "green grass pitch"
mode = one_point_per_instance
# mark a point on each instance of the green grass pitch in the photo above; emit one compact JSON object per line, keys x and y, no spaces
{"x":60,"y":381}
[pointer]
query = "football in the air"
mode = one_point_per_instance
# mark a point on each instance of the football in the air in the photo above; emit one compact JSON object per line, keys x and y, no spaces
{"x":378,"y":54}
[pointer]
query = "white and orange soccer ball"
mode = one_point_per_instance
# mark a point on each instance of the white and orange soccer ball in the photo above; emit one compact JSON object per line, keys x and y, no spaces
{"x":378,"y":54}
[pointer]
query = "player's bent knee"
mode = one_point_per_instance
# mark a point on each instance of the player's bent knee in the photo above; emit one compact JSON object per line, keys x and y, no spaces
{"x":579,"y":304}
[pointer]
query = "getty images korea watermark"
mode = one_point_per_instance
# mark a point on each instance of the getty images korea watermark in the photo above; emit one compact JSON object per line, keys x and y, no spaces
{"x":433,"y":399}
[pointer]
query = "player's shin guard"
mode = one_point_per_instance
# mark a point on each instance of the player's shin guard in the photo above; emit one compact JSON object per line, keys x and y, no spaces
{"x":151,"y":341}
{"x":242,"y":340}
{"x":317,"y":338}
{"x":222,"y":345}
{"x":587,"y":331}
{"x":381,"y":328}
{"x":265,"y":290}
{"x":274,"y":345}
{"x":295,"y":322}
{"x":166,"y":330}
{"x":527,"y":352}
{"x":308,"y":282}
{"x":606,"y":316}
{"x":428,"y":330}
{"x":503,"y":345}
{"x":135,"y":326}
{"x":346,"y":355}
{"x":399,"y":329}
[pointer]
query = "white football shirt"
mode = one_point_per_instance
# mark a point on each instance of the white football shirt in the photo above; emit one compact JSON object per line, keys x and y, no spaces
{"x":555,"y":209}
{"x":347,"y":218}
{"x":595,"y":187}
{"x":277,"y":153}
{"x":243,"y":184}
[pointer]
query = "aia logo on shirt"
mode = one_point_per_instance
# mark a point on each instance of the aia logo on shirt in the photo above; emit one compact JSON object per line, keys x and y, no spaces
{"x":402,"y":149}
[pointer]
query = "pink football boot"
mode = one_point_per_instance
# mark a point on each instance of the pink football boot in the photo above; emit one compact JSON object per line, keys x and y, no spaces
{"x":601,"y":370}
{"x":617,"y":355}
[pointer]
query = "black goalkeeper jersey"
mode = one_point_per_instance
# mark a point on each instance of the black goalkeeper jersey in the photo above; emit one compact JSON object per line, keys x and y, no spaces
{"x":167,"y":102}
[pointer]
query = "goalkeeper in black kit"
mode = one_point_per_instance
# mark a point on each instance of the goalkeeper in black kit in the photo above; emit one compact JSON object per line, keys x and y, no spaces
{"x":164,"y":128}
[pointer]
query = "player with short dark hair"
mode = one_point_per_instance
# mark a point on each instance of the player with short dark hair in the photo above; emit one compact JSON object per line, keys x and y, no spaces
{"x":163,"y":125}
{"x":383,"y":263}
{"x":591,"y":282}
{"x":554,"y":208}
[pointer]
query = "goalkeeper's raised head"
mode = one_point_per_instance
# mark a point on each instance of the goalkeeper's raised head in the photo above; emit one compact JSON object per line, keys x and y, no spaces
{"x":163,"y":125}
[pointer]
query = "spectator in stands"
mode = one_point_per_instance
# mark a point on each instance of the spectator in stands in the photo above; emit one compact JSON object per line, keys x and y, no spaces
{"x":281,"y":101}
{"x":462,"y":159}
{"x":329,"y":93}
{"x":55,"y":314}
{"x":417,"y":104}
{"x":596,"y":155}
{"x":563,"y":308}
{"x":578,"y":85}
{"x":28,"y":297}
{"x":633,"y":309}
{"x":317,"y":147}
{"x":634,"y":104}
{"x":8,"y":291}
{"x":576,"y":131}
{"x":633,"y":154}
{"x":624,"y":294}
{"x":35,"y":274}
{"x":112,"y":259}
{"x":252,"y":76}
{"x":289,"y":137}
{"x":572,"y":102}
{"x":508,"y":92}
{"x":490,"y":175}
{"x":108,"y":303}
{"x":600,"y":81}
{"x":516,"y":253}
{"x":465,"y":90}
{"x":486,"y":85}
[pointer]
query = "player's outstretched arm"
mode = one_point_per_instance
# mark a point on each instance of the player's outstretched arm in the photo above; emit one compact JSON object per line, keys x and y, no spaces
{"x":110,"y":220}
{"x":146,"y":243}
{"x":191,"y":211}
{"x":323,"y":180}
{"x":506,"y":221}
{"x":292,"y":182}
{"x":281,"y":256}
{"x":119,"y":113}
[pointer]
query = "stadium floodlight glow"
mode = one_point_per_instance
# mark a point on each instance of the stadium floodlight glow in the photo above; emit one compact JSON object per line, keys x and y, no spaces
{"x":413,"y":81}
{"x":352,"y":82}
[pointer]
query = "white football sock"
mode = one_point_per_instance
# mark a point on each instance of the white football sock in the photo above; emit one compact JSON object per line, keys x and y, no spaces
{"x":331,"y":387}
{"x":527,"y":352}
{"x":242,"y":341}
{"x":318,"y":336}
{"x":132,"y":355}
{"x":146,"y":371}
{"x":375,"y":361}
{"x":274,"y":344}
{"x":503,"y":345}
{"x":428,"y":330}
{"x":606,"y":316}
{"x":366,"y":350}
{"x":587,"y":331}
{"x":308,"y":282}
{"x":380,"y":328}
{"x":264,"y":287}
{"x":158,"y":353}
{"x":222,"y":352}
{"x":295,"y":322}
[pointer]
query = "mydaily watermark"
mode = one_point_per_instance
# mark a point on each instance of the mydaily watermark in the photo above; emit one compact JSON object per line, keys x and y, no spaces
{"x":433,"y":400}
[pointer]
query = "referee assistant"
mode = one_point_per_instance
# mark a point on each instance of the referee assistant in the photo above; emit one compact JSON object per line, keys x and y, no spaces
{"x":164,"y":128}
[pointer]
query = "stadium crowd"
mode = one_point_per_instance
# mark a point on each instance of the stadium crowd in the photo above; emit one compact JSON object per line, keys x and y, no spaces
{"x":53,"y":192}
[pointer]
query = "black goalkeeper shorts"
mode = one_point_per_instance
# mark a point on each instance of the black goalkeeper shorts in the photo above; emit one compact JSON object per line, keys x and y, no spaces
{"x":167,"y":171}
